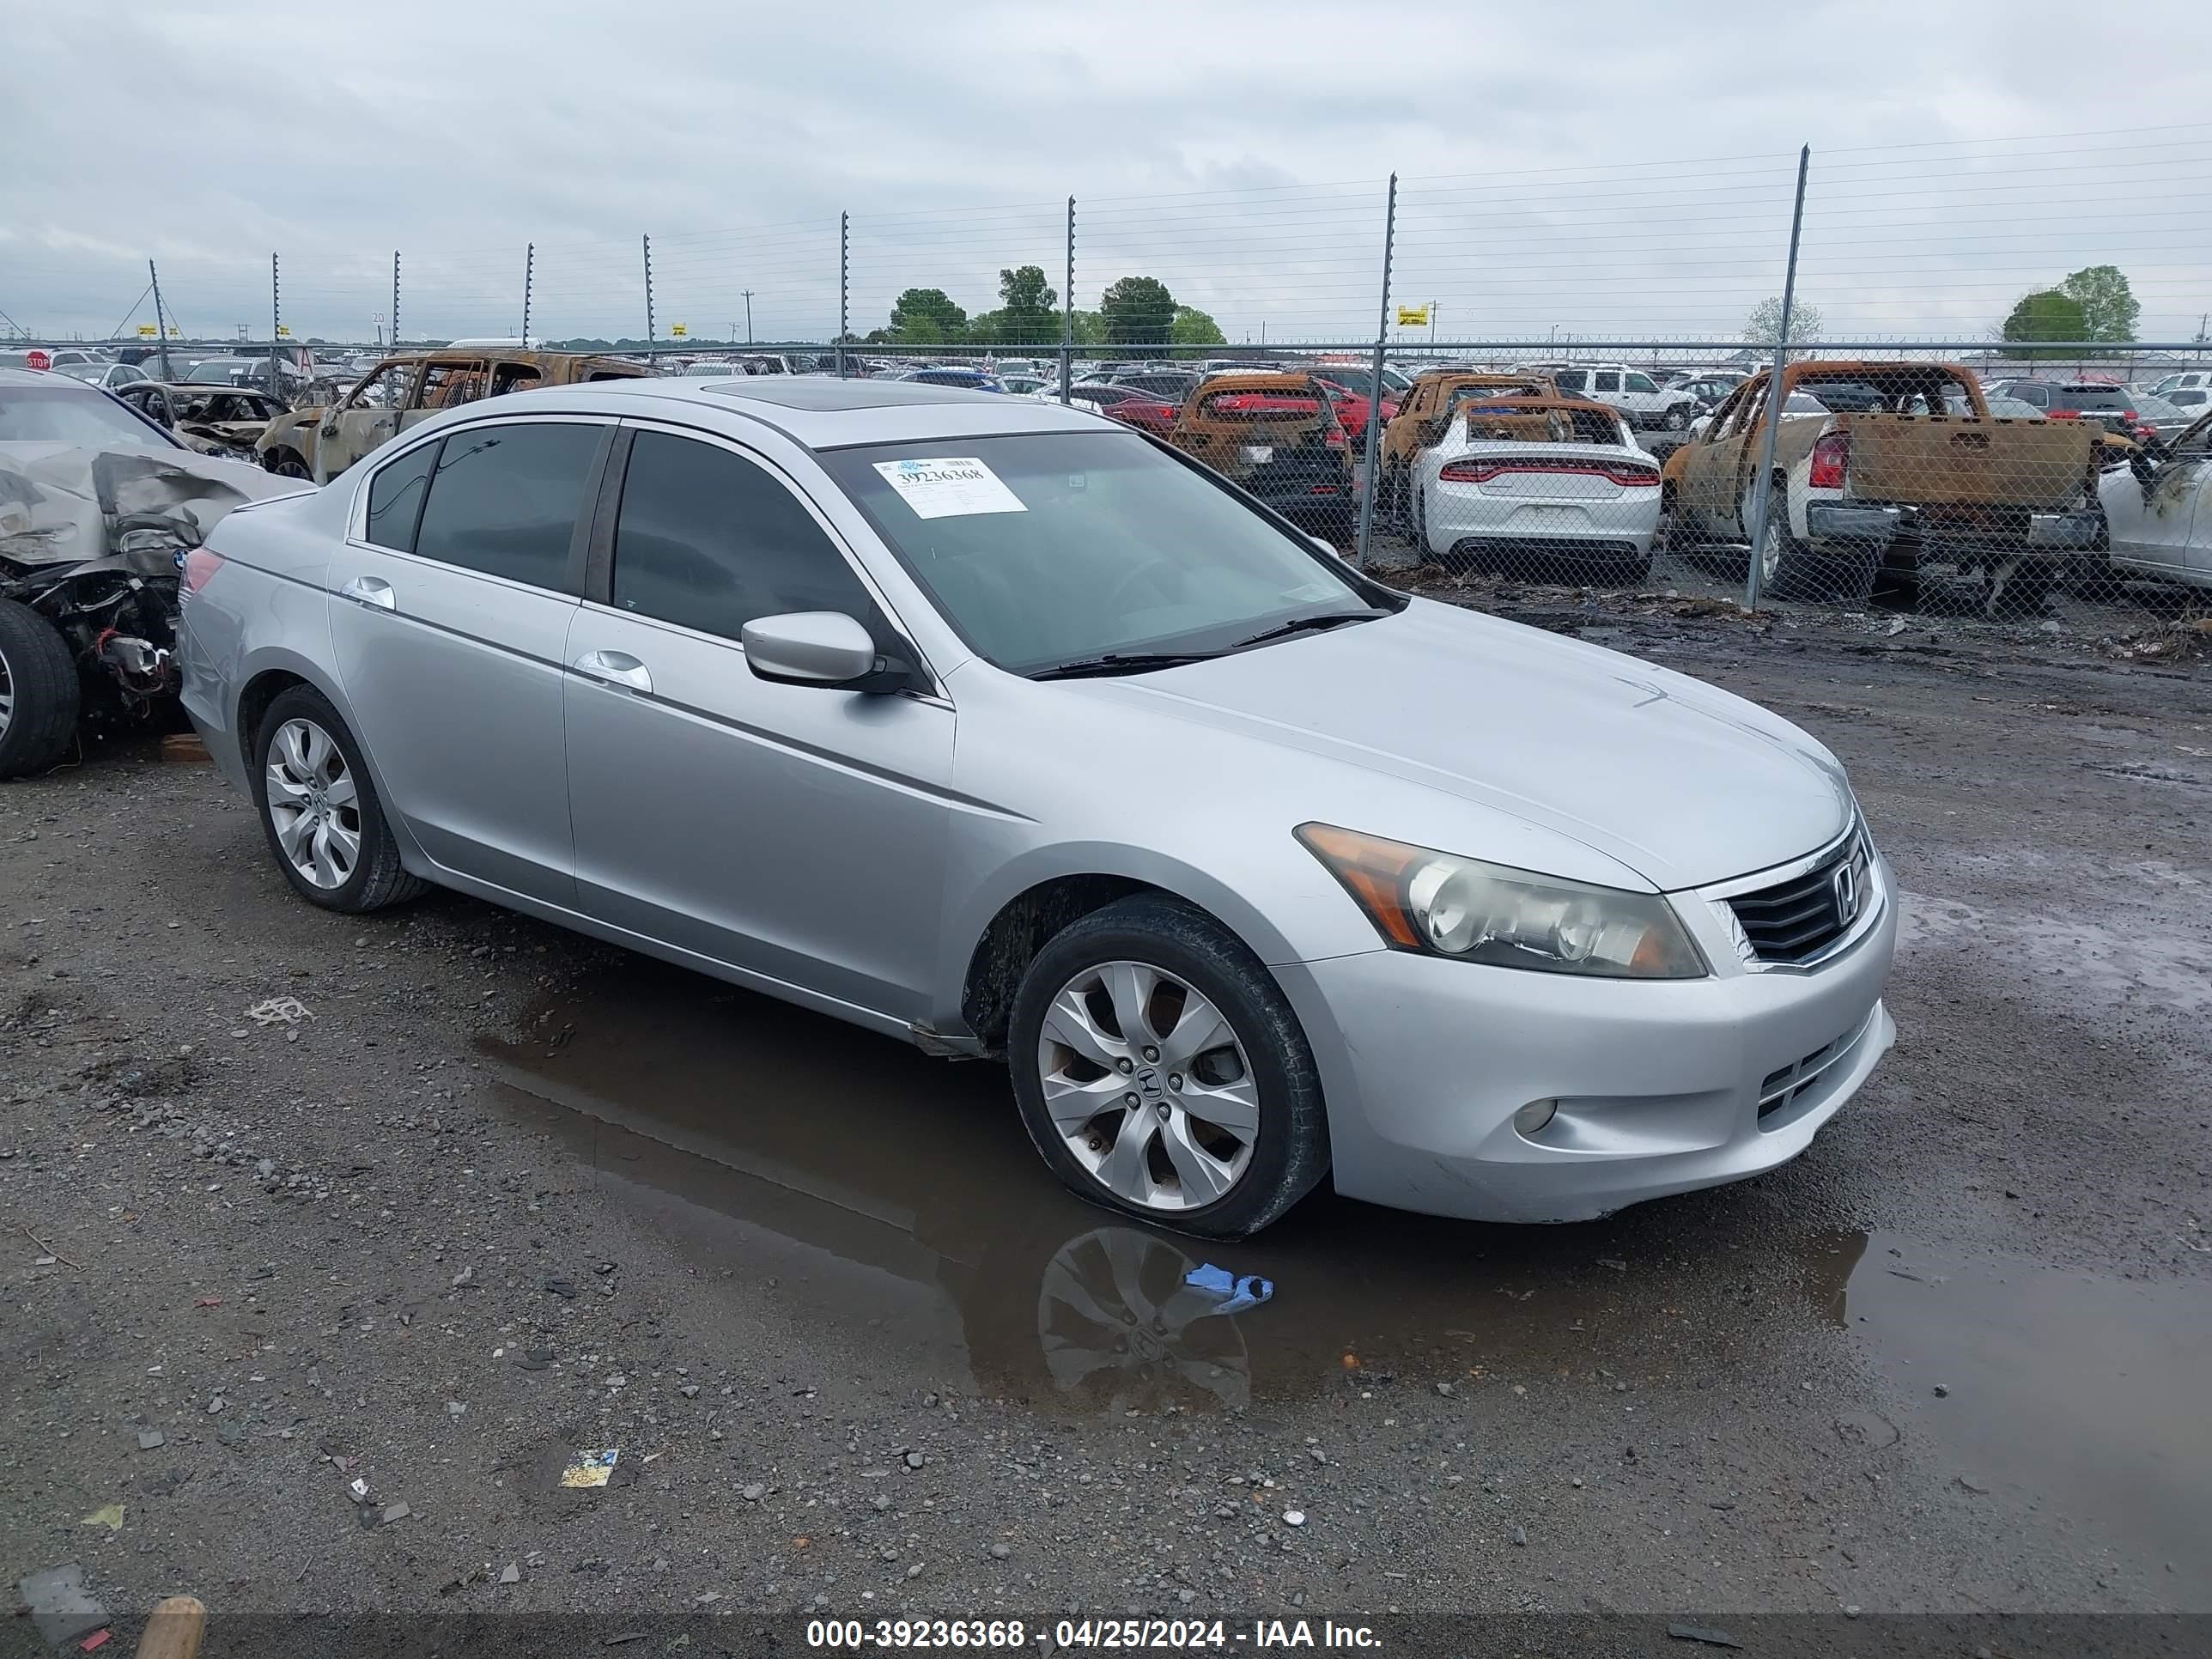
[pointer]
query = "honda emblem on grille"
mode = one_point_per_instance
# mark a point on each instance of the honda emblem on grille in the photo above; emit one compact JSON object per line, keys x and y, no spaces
{"x":1846,"y":880}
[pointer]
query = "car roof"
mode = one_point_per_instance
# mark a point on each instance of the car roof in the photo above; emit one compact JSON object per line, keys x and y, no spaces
{"x":818,"y":413}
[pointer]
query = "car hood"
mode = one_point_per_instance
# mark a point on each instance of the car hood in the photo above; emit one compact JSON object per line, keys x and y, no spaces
{"x":1683,"y":783}
{"x":62,"y":504}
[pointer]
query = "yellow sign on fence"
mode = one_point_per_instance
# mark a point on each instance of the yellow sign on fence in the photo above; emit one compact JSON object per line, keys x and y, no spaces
{"x":1413,"y":316}
{"x":283,"y":331}
{"x":679,"y":330}
{"x":147,"y":331}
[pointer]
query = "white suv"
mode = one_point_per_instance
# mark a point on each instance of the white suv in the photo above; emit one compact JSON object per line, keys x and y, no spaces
{"x":1648,"y":406}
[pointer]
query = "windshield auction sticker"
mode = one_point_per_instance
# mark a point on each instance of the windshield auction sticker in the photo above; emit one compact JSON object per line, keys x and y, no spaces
{"x":949,"y":487}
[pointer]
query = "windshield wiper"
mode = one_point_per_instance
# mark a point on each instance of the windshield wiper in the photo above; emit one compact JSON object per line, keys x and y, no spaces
{"x":1308,"y":625}
{"x":1122,"y":662}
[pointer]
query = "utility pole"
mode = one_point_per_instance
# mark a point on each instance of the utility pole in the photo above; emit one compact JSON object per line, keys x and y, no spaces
{"x":395,"y":299}
{"x":1762,"y":501}
{"x":161,"y":320}
{"x":844,"y":287}
{"x":748,"y":316}
{"x":1375,"y":385}
{"x":529,"y":272}
{"x":275,"y":328}
{"x":1067,"y":312}
{"x":647,"y":244}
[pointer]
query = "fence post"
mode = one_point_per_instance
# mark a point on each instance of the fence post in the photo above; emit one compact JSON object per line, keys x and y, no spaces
{"x":161,"y":320}
{"x":647,"y":242}
{"x":1762,"y":498}
{"x":844,"y":288}
{"x":1374,"y":391}
{"x":276,"y":327}
{"x":1067,"y":312}
{"x":529,"y":272}
{"x":395,"y":300}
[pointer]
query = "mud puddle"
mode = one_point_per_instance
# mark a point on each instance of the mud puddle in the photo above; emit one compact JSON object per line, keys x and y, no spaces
{"x":2082,"y":1396}
{"x":882,"y":1187}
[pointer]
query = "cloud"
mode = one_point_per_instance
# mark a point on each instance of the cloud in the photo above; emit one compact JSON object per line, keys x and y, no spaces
{"x":1622,"y":170}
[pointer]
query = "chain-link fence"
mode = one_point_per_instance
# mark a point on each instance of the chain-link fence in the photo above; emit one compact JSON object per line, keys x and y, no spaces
{"x":1993,"y":356}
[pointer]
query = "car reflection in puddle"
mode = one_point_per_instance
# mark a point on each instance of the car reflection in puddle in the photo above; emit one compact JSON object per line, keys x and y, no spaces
{"x":884,"y":1188}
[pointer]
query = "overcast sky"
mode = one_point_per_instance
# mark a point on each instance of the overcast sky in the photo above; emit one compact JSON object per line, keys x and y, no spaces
{"x":1599,"y":170}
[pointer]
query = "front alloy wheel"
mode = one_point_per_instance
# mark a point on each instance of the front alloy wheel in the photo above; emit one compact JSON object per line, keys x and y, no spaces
{"x":1149,"y":1087}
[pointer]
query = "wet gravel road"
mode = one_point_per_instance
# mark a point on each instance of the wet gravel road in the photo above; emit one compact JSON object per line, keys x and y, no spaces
{"x":505,"y":1196}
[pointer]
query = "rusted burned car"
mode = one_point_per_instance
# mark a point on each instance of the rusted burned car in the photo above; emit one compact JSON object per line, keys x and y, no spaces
{"x":97,"y":506}
{"x":322,"y":442}
{"x":1424,"y":414}
{"x":225,"y":421}
{"x":1278,"y":436}
{"x":1918,"y":472}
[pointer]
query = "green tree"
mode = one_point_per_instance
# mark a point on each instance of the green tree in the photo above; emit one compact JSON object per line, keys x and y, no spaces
{"x":2046,"y":314}
{"x":919,"y":328}
{"x":1138,"y":311}
{"x":1028,"y":313}
{"x":2109,"y":309}
{"x":1089,"y":328}
{"x":1193,"y":330}
{"x":931,"y":305}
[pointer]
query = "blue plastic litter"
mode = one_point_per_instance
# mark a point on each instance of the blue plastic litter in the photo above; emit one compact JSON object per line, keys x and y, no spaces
{"x":1238,"y":1294}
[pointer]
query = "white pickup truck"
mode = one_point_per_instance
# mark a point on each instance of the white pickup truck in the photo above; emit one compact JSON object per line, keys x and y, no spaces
{"x":1648,"y":406}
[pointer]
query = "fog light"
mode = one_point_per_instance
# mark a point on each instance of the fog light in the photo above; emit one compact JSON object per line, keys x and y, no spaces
{"x":1531,"y":1119}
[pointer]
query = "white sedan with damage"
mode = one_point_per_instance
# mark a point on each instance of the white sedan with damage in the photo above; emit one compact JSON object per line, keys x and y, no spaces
{"x":1543,"y":487}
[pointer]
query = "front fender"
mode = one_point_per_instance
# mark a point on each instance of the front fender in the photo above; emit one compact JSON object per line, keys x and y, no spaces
{"x":295,"y":431}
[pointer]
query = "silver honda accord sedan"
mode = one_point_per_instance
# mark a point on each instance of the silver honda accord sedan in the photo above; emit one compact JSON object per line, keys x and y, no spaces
{"x":1006,"y":730}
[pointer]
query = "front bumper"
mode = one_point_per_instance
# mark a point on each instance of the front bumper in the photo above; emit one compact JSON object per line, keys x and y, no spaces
{"x":1660,"y":1085}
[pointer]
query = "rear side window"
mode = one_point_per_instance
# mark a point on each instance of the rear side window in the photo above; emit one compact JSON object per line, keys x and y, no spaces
{"x":709,"y":540}
{"x":395,"y":498}
{"x":1570,"y":380}
{"x":504,"y":500}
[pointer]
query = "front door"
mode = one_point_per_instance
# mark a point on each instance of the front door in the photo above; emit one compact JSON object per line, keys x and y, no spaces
{"x":796,"y":832}
{"x":451,"y":612}
{"x":367,"y":417}
{"x":2162,"y":522}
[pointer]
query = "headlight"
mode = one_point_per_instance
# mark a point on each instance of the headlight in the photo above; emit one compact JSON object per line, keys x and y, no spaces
{"x":1447,"y":906}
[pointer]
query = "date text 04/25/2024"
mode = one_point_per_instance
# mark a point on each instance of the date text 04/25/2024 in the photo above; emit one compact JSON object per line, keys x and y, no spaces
{"x":1112,"y":1634}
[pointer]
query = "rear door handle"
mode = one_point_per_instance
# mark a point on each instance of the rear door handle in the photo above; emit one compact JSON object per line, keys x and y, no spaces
{"x":371,"y":591}
{"x":615,"y":668}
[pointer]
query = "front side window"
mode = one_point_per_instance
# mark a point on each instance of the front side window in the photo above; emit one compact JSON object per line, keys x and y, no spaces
{"x":1048,"y":549}
{"x":504,"y":500}
{"x":382,"y":388}
{"x":710,"y":540}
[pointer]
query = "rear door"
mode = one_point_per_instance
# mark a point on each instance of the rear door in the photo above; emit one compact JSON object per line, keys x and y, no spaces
{"x":796,"y":832}
{"x":456,"y":590}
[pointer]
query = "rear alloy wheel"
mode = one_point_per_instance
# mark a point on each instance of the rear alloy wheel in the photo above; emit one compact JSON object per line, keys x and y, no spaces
{"x":319,"y":810}
{"x":287,"y":464}
{"x":1161,"y":1072}
{"x":39,"y":692}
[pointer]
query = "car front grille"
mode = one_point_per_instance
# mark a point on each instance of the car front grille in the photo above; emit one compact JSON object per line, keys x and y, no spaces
{"x":1789,"y":1083}
{"x":1794,"y":920}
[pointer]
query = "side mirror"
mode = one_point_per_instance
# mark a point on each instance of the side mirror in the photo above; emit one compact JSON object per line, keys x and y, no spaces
{"x":820,"y":647}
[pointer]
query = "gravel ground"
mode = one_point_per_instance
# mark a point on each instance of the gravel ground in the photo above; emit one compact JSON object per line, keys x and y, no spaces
{"x":504,"y":1195}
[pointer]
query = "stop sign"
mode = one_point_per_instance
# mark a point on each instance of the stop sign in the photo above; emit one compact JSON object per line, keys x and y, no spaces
{"x":37,"y":359}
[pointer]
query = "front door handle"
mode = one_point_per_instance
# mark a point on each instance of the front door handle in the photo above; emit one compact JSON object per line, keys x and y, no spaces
{"x":615,"y":668}
{"x":371,"y":591}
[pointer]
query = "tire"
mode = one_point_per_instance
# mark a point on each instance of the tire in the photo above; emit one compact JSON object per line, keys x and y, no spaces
{"x":1678,"y":418}
{"x":371,"y":877}
{"x":1161,"y":1159}
{"x":1796,"y":570}
{"x":39,"y":696}
{"x":289,"y":464}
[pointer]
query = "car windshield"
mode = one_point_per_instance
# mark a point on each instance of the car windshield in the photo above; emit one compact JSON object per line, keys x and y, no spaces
{"x":1049,"y":548}
{"x":1359,"y":382}
{"x":70,"y":415}
{"x":2092,"y":397}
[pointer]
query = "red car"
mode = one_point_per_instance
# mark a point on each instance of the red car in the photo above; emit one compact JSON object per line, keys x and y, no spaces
{"x":1355,"y":382}
{"x":1146,"y":413}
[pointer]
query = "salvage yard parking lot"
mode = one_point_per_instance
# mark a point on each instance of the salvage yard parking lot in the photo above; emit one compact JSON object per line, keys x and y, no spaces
{"x":437,"y":1199}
